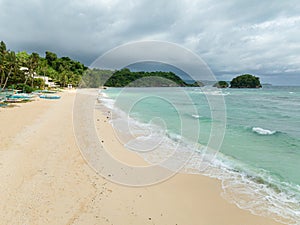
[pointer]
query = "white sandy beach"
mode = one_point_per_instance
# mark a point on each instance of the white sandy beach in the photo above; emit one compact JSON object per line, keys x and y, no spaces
{"x":45,"y":180}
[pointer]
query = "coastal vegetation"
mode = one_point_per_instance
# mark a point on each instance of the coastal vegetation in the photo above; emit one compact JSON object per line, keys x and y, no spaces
{"x":125,"y":77}
{"x":25,"y":71}
{"x":95,"y":78}
{"x":245,"y":81}
{"x":221,"y":84}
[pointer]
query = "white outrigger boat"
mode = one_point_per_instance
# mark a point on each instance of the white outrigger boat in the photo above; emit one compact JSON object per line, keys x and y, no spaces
{"x":50,"y":96}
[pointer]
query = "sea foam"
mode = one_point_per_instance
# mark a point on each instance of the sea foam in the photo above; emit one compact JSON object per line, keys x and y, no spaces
{"x":248,"y":188}
{"x":196,"y":116}
{"x":262,"y":131}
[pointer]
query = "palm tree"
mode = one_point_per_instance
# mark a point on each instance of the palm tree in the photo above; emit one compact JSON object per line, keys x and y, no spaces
{"x":32,"y":64}
{"x":2,"y":62}
{"x":11,"y":65}
{"x":64,"y":78}
{"x":43,"y":66}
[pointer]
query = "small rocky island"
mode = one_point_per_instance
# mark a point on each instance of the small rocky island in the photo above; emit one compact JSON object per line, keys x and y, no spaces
{"x":245,"y":81}
{"x":221,"y":84}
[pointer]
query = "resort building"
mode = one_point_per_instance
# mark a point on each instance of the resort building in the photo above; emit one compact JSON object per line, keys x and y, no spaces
{"x":48,"y":81}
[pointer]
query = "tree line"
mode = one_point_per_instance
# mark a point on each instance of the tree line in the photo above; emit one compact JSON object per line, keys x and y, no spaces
{"x":121,"y":78}
{"x":62,"y":71}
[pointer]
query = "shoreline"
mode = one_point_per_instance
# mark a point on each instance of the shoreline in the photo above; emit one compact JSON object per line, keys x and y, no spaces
{"x":207,"y":183}
{"x":45,"y":180}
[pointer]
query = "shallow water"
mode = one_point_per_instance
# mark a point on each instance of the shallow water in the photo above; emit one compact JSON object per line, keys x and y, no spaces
{"x":258,"y":161}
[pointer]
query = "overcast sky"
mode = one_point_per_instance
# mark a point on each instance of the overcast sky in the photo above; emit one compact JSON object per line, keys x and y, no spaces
{"x":261,"y":37}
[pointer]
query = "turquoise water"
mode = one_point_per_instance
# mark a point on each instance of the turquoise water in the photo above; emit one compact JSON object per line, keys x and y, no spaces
{"x":259,"y":159}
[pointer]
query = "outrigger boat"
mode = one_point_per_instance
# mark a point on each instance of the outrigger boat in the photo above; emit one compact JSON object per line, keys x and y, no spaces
{"x":50,"y":96}
{"x":20,"y":96}
{"x":10,"y":100}
{"x":48,"y":92}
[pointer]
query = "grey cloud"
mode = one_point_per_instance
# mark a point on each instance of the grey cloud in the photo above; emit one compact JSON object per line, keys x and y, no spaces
{"x":231,"y":36}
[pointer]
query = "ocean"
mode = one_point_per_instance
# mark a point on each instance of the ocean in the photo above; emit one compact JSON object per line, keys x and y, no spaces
{"x":258,"y":131}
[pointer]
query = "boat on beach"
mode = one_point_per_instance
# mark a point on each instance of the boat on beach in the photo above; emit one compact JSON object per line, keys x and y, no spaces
{"x":49,"y":96}
{"x":20,"y":96}
{"x":15,"y":96}
{"x":16,"y":100}
{"x":48,"y":91}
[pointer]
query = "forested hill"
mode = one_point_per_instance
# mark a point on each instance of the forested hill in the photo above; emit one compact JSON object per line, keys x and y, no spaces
{"x":125,"y":77}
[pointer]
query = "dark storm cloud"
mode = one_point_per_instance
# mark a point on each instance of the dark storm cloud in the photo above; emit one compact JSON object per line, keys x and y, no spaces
{"x":231,"y":36}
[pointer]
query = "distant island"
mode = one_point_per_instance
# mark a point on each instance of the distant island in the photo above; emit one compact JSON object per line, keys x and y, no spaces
{"x":221,"y":84}
{"x":127,"y":78}
{"x":242,"y":81}
{"x":245,"y":81}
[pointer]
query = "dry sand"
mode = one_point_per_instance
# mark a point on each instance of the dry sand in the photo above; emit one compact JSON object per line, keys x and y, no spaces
{"x":45,"y":180}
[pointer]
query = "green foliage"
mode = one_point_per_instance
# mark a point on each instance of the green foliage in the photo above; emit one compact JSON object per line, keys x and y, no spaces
{"x":221,"y":84}
{"x":51,"y":58}
{"x":62,"y":70}
{"x":245,"y":81}
{"x":39,"y":83}
{"x":196,"y":84}
{"x":9,"y":67}
{"x":125,"y":77}
{"x":95,"y":78}
{"x":24,"y":87}
{"x":2,"y":47}
{"x":23,"y":58}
